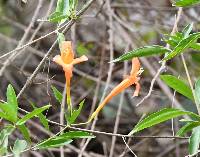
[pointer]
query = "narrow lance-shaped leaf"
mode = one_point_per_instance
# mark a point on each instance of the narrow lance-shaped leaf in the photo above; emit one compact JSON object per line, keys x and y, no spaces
{"x":195,"y":46}
{"x":186,"y":3}
{"x":57,"y":17}
{"x":74,"y":4}
{"x":62,"y":5}
{"x":63,"y":139}
{"x":6,"y":117}
{"x":197,"y":92}
{"x":32,"y":114}
{"x":18,"y":147}
{"x":12,"y":101}
{"x":194,"y":141}
{"x":5,"y":132}
{"x":22,"y":128}
{"x":53,"y":143}
{"x":173,"y":40}
{"x":75,"y":113}
{"x":8,"y":112}
{"x":187,"y":30}
{"x":62,"y":12}
{"x":57,"y":94}
{"x":178,"y":85}
{"x":183,"y":45}
{"x":143,"y":51}
{"x":42,"y":118}
{"x":11,"y":96}
{"x":159,"y":117}
{"x":187,"y":127}
{"x":4,"y":135}
{"x":76,"y":134}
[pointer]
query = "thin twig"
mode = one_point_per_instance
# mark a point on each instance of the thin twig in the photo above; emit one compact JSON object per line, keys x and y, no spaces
{"x":190,"y":82}
{"x":118,"y":114}
{"x":36,"y":31}
{"x":128,"y":147}
{"x":109,"y":71}
{"x":15,"y":42}
{"x":22,"y":41}
{"x":172,"y":120}
{"x":121,"y":135}
{"x":133,"y":6}
{"x":62,"y":112}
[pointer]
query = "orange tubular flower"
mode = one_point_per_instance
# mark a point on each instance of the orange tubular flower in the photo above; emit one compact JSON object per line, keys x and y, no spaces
{"x":128,"y":81}
{"x":67,"y":60}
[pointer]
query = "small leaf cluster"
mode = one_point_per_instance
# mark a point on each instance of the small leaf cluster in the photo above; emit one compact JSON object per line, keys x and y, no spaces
{"x":179,"y":43}
{"x":65,"y":10}
{"x":9,"y":112}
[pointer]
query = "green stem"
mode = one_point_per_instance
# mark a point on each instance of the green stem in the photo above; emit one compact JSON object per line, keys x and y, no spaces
{"x":69,"y":97}
{"x":190,"y":83}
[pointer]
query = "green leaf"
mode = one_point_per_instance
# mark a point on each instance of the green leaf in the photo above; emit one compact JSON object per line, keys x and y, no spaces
{"x":197,"y":92}
{"x":12,"y":101}
{"x":11,"y":97}
{"x":76,"y":134}
{"x":42,"y":118}
{"x":63,"y":139}
{"x":25,"y":132}
{"x":187,"y":30}
{"x":4,"y":116}
{"x":19,"y":147}
{"x":183,"y":45}
{"x":62,"y":12}
{"x":195,"y":46}
{"x":143,"y":51}
{"x":4,"y":134}
{"x":75,"y":113}
{"x":74,"y":4}
{"x":178,"y":85}
{"x":159,"y":117}
{"x":171,"y":40}
{"x":32,"y":114}
{"x":62,"y":6}
{"x":57,"y":17}
{"x":186,"y":3}
{"x":53,"y":143}
{"x":57,"y":94}
{"x":8,"y":112}
{"x":44,"y":121}
{"x":194,"y":141}
{"x":6,"y":131}
{"x":188,"y":127}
